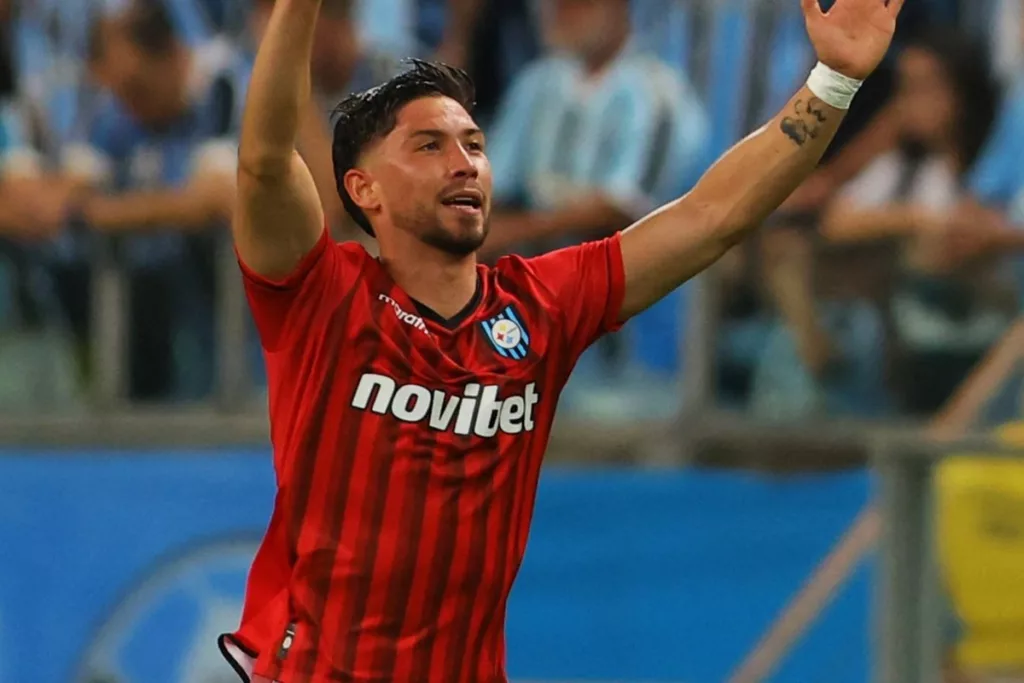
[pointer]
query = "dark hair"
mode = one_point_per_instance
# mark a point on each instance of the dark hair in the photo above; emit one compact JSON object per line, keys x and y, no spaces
{"x":966,"y":65}
{"x":363,"y":118}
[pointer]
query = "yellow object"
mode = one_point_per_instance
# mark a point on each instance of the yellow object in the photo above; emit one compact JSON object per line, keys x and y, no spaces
{"x":980,"y":504}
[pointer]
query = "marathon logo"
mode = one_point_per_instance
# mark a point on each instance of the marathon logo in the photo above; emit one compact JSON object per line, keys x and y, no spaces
{"x":407,"y":318}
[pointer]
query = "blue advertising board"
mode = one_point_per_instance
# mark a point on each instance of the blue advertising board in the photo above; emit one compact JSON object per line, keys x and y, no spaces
{"x":121,"y":567}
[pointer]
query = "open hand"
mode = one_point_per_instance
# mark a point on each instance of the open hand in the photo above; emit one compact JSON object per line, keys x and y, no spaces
{"x":854,"y":35}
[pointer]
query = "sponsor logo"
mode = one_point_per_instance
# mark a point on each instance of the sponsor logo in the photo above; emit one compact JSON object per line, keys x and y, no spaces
{"x":507,"y":334}
{"x":407,"y":318}
{"x":478,"y":410}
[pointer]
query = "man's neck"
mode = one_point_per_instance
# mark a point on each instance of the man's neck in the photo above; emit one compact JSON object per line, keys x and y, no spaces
{"x":598,"y":61}
{"x":441,"y":282}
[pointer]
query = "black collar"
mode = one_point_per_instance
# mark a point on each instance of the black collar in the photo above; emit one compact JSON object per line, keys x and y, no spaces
{"x":451,"y":323}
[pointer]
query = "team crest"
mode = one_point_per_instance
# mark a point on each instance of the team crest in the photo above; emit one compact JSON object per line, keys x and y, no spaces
{"x":507,"y":334}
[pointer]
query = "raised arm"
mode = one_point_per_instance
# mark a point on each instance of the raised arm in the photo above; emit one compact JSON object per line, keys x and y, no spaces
{"x":745,"y":186}
{"x":279,"y":218}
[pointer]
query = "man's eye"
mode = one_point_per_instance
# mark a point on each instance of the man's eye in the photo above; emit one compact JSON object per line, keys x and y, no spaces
{"x":475,"y":146}
{"x":431,"y":146}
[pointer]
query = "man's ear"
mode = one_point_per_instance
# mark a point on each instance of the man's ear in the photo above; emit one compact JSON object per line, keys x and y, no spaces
{"x":363,"y":191}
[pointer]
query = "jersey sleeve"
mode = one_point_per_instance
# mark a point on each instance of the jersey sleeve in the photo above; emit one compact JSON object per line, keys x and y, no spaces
{"x":586,"y":286}
{"x":284,"y":310}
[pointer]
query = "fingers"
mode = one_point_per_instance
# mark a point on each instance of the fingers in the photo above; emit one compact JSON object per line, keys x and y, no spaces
{"x":811,"y":8}
{"x":895,"y":6}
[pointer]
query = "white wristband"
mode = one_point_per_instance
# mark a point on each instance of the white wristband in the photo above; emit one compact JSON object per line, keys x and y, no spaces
{"x":832,"y":87}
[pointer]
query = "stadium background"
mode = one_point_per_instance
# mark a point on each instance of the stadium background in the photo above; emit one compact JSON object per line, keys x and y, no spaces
{"x":702,"y":481}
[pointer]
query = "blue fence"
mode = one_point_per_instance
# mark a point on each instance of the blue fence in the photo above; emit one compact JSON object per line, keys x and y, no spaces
{"x":121,"y":567}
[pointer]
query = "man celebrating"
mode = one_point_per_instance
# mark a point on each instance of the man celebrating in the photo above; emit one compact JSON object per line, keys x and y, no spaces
{"x":411,"y":396}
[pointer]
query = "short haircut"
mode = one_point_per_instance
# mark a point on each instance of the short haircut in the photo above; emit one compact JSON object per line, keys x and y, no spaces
{"x":365,"y":117}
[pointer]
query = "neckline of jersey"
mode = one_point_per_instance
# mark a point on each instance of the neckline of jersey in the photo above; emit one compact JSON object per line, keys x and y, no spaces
{"x":452,"y":323}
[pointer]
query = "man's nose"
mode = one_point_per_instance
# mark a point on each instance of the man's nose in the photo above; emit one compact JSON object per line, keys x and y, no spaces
{"x":463,"y":164}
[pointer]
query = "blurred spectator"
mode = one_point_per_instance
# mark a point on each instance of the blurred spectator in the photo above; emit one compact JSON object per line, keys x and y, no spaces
{"x":228,"y":17}
{"x":153,"y":171}
{"x":494,"y":41}
{"x":343,"y":61}
{"x":423,"y":27}
{"x":989,"y":223}
{"x":589,"y":139}
{"x":491,"y":40}
{"x":1000,"y":22}
{"x":826,"y":353}
{"x":37,"y":361}
{"x":49,"y":47}
{"x":943,"y":320}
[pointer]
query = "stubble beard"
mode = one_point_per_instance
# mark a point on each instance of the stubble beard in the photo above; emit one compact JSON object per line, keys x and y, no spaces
{"x":460,"y":243}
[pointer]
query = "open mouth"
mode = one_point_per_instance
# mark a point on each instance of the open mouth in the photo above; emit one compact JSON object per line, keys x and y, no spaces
{"x":465,"y":201}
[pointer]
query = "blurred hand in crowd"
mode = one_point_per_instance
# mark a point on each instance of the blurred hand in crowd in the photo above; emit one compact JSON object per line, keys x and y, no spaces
{"x":38,"y":207}
{"x":973,"y":232}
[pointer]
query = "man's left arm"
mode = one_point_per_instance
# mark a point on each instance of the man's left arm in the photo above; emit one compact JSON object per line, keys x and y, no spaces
{"x":749,"y":182}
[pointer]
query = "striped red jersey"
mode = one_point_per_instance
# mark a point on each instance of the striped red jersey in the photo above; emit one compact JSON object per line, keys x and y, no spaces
{"x":407,"y":449}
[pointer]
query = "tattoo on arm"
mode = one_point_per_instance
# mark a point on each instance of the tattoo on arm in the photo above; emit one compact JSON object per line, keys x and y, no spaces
{"x":805,"y":121}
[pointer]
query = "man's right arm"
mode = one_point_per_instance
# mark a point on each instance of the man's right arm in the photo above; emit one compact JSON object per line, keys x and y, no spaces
{"x":279,"y":218}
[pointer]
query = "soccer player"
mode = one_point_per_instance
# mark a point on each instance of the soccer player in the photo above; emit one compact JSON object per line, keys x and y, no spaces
{"x":411,"y":396}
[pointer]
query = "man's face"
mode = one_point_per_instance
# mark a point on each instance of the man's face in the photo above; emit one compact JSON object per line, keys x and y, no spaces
{"x":926,"y":98}
{"x":150,"y":87}
{"x":431,"y":177}
{"x":581,"y":27}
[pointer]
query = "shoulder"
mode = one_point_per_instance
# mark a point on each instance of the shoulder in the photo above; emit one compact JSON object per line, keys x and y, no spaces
{"x":549,"y":276}
{"x":328,"y":272}
{"x":352,"y":253}
{"x":355,"y":266}
{"x":522,"y":277}
{"x":109,"y":126}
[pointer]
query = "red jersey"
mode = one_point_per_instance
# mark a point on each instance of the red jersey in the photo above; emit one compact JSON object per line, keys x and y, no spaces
{"x":407,"y":449}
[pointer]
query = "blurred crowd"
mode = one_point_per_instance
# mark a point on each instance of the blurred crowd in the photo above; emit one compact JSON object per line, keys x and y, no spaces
{"x":871,"y":293}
